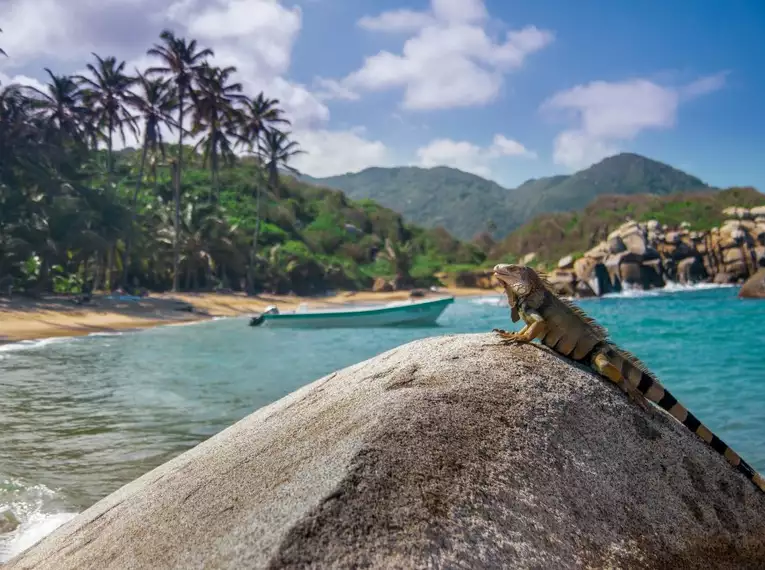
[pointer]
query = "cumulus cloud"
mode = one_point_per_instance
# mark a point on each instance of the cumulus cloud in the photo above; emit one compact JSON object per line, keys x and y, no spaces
{"x":6,"y":80}
{"x":256,"y":36}
{"x":450,"y":61}
{"x":332,"y":89}
{"x":608,"y":114}
{"x":470,"y":157}
{"x":396,"y":21}
{"x":330,"y":153}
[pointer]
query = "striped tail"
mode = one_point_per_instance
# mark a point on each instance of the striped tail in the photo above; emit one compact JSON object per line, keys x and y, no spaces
{"x":638,"y":375}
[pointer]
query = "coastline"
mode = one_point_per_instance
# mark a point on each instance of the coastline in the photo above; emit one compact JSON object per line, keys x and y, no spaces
{"x":56,"y":316}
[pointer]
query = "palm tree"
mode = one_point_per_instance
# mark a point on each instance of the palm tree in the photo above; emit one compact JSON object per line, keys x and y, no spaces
{"x":60,"y":106}
{"x":277,"y":150}
{"x":108,"y":94}
{"x":257,"y":116}
{"x":216,"y":116}
{"x":182,"y":62}
{"x":155,"y":104}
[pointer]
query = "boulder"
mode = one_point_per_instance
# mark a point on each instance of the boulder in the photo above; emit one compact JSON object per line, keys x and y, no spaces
{"x":599,"y":252}
{"x":652,"y":274}
{"x":528,"y":258}
{"x":724,"y":278}
{"x":690,"y":270}
{"x":382,"y":285}
{"x":759,"y":255}
{"x":584,"y":290}
{"x":635,"y":243}
{"x":615,"y":244}
{"x":583,"y":267}
{"x":8,"y":521}
{"x":758,"y":211}
{"x":449,"y":452}
{"x":754,"y":287}
{"x":758,"y":233}
{"x":563,"y":281}
{"x":733,"y":255}
{"x":737,"y":212}
{"x":566,"y":262}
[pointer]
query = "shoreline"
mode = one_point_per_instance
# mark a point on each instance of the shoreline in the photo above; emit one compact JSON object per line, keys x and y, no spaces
{"x":23,"y":319}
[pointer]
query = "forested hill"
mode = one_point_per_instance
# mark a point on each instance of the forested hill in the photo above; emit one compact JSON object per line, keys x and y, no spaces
{"x":74,"y":212}
{"x":468,"y":204}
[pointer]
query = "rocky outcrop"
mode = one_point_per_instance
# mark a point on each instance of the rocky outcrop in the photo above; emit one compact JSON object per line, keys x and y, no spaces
{"x":450,"y":452}
{"x":648,"y":255}
{"x":754,"y":287}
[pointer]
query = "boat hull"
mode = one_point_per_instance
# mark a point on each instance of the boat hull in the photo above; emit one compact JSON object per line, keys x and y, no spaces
{"x":421,"y":313}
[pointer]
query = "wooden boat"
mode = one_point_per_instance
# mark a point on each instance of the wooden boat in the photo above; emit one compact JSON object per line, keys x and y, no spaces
{"x":400,"y":313}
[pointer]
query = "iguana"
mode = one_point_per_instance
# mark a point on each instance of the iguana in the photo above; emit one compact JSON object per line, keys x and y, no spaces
{"x":566,"y":329}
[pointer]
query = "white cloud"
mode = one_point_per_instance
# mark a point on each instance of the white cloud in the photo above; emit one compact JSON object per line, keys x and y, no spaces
{"x":704,"y":85}
{"x":6,"y":80}
{"x":608,"y":114}
{"x":396,"y":21}
{"x":332,"y":89}
{"x":450,"y":62}
{"x":330,"y":153}
{"x":470,"y":157}
{"x":256,"y":36}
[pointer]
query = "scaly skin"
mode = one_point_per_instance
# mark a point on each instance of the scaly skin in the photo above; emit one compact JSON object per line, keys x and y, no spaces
{"x":563,"y":327}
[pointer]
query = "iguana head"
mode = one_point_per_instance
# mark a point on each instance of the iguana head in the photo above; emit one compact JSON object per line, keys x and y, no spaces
{"x":521,"y":284}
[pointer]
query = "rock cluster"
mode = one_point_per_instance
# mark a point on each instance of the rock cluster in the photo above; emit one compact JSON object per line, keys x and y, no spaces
{"x":648,"y":255}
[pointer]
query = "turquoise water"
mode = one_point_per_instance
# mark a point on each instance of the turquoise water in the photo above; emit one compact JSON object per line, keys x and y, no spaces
{"x":81,"y":417}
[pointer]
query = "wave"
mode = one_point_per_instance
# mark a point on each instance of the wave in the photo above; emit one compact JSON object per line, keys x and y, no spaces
{"x":30,"y":532}
{"x":633,"y":292}
{"x":498,"y":300}
{"x":38,"y":510}
{"x":31,"y":344}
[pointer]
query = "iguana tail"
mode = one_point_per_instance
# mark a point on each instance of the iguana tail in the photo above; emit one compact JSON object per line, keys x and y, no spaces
{"x":636,"y":373}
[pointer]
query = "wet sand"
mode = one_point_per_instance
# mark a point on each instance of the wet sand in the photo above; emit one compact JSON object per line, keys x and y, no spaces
{"x":56,"y":316}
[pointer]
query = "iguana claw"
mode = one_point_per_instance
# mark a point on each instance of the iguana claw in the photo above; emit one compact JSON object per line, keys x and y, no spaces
{"x":507,"y":337}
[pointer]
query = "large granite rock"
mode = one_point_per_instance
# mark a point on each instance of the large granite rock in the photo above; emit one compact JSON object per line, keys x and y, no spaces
{"x":754,"y":287}
{"x":450,"y":452}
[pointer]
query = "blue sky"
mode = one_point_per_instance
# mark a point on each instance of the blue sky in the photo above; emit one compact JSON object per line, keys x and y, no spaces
{"x":509,"y":90}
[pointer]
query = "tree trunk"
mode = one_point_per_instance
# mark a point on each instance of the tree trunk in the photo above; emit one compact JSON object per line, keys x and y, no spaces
{"x":178,"y":173}
{"x":254,"y":248}
{"x":129,"y":241}
{"x":109,"y":167}
{"x":97,"y":272}
{"x":109,"y":267}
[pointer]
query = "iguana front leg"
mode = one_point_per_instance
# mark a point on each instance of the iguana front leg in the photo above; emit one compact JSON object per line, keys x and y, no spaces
{"x":526,"y":334}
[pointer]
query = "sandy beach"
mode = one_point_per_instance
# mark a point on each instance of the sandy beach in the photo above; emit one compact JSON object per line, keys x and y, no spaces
{"x":56,"y":316}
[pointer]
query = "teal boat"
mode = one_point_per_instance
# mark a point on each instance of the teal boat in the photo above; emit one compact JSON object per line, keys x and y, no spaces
{"x":400,"y":313}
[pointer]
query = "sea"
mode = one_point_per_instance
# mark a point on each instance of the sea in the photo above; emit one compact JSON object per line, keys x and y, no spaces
{"x":80,"y":417}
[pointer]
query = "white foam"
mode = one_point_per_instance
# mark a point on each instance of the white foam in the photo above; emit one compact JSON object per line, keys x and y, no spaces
{"x":32,"y":344}
{"x":106,"y":334}
{"x":30,"y":532}
{"x":36,"y":507}
{"x":634,"y":292}
{"x":499,"y":300}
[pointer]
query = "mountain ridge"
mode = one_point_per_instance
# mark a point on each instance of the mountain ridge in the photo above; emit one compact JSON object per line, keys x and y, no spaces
{"x":467,"y":204}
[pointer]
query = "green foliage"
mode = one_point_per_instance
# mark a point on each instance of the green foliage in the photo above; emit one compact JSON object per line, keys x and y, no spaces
{"x":468,"y":204}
